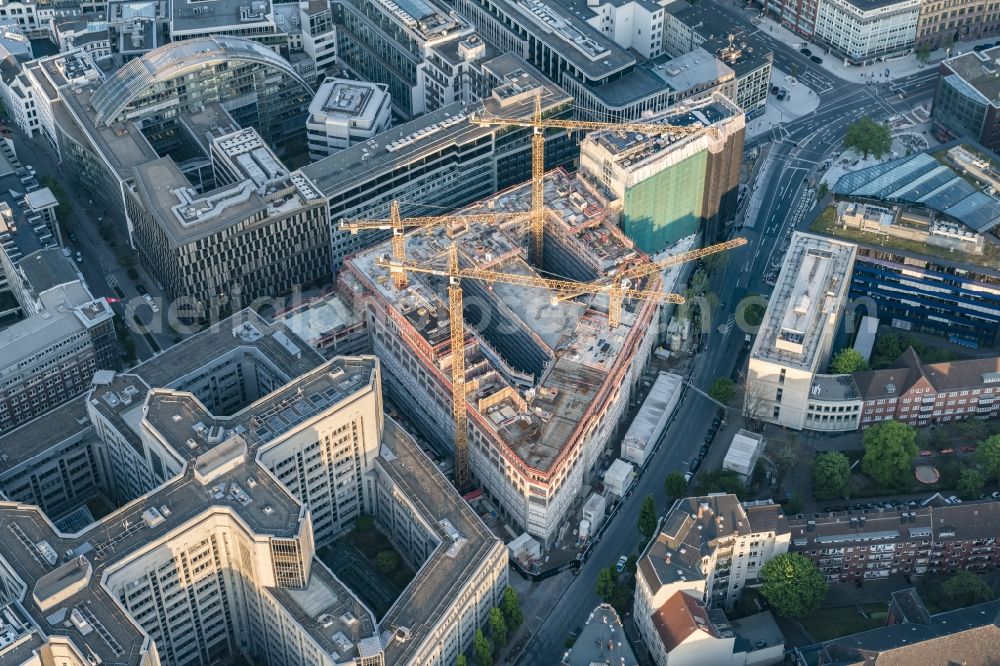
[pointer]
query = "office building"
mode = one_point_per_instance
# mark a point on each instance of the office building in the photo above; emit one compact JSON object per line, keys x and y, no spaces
{"x":253,"y":454}
{"x":928,"y":393}
{"x":799,"y":16}
{"x":401,"y":45}
{"x":793,"y":345}
{"x":708,"y":548}
{"x":260,"y":233}
{"x":587,"y":52}
{"x":531,"y":454}
{"x":66,"y":336}
{"x":137,"y":27}
{"x":671,"y":186}
{"x":344,"y":113}
{"x":690,"y":27}
{"x":328,"y":324}
{"x":967,"y":100}
{"x":442,"y":161}
{"x":940,"y":22}
{"x":913,"y":635}
{"x":318,"y":35}
{"x":925,"y":261}
{"x":864,"y":31}
{"x":249,"y":19}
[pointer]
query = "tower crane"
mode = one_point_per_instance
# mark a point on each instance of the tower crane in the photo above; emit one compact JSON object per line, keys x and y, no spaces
{"x":455,"y":275}
{"x":650,"y":267}
{"x":538,"y":124}
{"x":398,"y":225}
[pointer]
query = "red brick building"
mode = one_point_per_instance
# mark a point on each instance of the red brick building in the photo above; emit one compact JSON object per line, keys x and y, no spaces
{"x":922,"y":394}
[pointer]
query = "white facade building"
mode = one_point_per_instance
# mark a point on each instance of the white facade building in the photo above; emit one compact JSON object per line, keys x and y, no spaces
{"x":862,"y":30}
{"x":795,"y":339}
{"x":634,"y":24}
{"x":743,"y":453}
{"x":346,"y":112}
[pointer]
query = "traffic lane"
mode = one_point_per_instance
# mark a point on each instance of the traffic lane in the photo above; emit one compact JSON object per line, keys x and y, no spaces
{"x":580,"y":598}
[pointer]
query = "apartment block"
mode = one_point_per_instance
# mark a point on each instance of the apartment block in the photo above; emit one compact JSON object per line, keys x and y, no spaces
{"x":799,"y":16}
{"x":252,"y":452}
{"x":928,"y":393}
{"x":785,"y":380}
{"x":936,"y":539}
{"x":442,"y":160}
{"x":671,"y":186}
{"x":966,"y":103}
{"x":260,"y":233}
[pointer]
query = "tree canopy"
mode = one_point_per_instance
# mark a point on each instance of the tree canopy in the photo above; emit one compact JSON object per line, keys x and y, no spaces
{"x":970,"y":484}
{"x":890,"y":448}
{"x":498,"y":628}
{"x":965,"y":588}
{"x":868,"y":137}
{"x":647,"y":517}
{"x":675,"y":486}
{"x":511,"y":607}
{"x":793,"y":585}
{"x":847,"y":361}
{"x":605,"y":585}
{"x":988,"y":454}
{"x":720,"y":481}
{"x":831,"y":474}
{"x":482,"y":649}
{"x":723,"y":389}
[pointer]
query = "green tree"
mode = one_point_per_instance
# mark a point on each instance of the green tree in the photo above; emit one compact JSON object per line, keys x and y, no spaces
{"x":890,"y":448}
{"x":923,"y":52}
{"x":831,"y":473}
{"x":793,"y":585}
{"x":847,"y":361}
{"x":498,"y":628}
{"x":868,"y":137}
{"x":970,"y":484}
{"x":822,"y":191}
{"x":988,"y":455}
{"x":723,"y":389}
{"x":783,"y":453}
{"x":511,"y":607}
{"x":675,"y":486}
{"x":606,"y":584}
{"x":461,"y":660}
{"x":387,"y":561}
{"x":647,"y":517}
{"x":754,"y":314}
{"x":964,"y":588}
{"x":720,"y":481}
{"x":482,"y":649}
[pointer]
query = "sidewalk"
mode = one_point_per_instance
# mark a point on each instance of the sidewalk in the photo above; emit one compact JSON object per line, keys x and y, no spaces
{"x":898,"y":67}
{"x":800,"y":101}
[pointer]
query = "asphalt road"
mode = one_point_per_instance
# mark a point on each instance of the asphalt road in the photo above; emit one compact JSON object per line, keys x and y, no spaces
{"x":797,"y":148}
{"x":100,"y":266}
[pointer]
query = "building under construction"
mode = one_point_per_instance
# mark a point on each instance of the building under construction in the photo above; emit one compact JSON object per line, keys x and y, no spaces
{"x":547,"y":380}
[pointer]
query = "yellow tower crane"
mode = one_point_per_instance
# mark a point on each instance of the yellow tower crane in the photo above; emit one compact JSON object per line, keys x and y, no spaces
{"x":398,"y":225}
{"x":455,"y":275}
{"x":650,"y":267}
{"x":538,"y":124}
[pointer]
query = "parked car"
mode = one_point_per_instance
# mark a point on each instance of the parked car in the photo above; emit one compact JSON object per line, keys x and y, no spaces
{"x":926,"y":454}
{"x":687,"y":477}
{"x":140,"y":287}
{"x":620,"y":564}
{"x":147,"y":298}
{"x":968,"y":449}
{"x":72,"y":236}
{"x":805,"y":52}
{"x":774,"y":90}
{"x":817,"y":60}
{"x":948,"y":451}
{"x":704,"y":451}
{"x":79,"y":258}
{"x":954,"y":500}
{"x":716,"y":422}
{"x":695,"y":464}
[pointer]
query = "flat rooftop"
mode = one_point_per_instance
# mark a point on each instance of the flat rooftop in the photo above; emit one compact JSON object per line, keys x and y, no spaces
{"x":807,"y":300}
{"x":602,"y":641}
{"x":187,"y":16}
{"x":464,"y":543}
{"x":636,"y":152}
{"x":975,"y":73}
{"x":692,"y":69}
{"x":344,"y":98}
{"x":430,"y":133}
{"x":746,"y":53}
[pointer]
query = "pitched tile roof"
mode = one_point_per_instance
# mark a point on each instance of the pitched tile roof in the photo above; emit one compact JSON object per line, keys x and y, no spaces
{"x":678,"y":618}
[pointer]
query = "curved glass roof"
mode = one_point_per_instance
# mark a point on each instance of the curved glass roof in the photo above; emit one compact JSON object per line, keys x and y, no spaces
{"x":173,"y":59}
{"x":922,"y":180}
